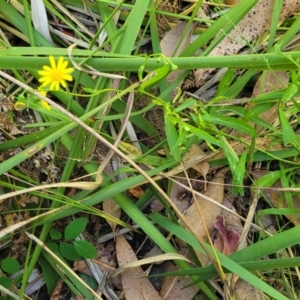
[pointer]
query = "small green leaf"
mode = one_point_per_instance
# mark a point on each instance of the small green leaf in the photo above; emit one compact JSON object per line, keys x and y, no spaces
{"x":172,"y":138}
{"x":231,"y":155}
{"x":156,"y":76}
{"x":10,"y":265}
{"x":257,"y":110}
{"x":68,"y":251}
{"x":268,"y":179}
{"x":290,"y":91}
{"x":203,"y":135}
{"x":238,"y":176}
{"x":296,"y":104}
{"x":55,"y":234}
{"x":75,"y":228}
{"x":225,"y":82}
{"x":6,"y":282}
{"x":186,"y":104}
{"x":239,"y":125}
{"x":90,"y":281}
{"x":288,"y":133}
{"x":85,"y":249}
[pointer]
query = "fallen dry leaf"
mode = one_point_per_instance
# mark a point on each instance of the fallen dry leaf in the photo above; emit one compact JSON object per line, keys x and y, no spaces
{"x":215,"y":191}
{"x":233,"y":222}
{"x":170,"y":43}
{"x":111,"y":208}
{"x":178,"y":194}
{"x":201,"y":166}
{"x":173,"y":287}
{"x":255,"y":23}
{"x":137,"y":192}
{"x":245,"y":291}
{"x":135,"y":285}
{"x":57,"y":290}
{"x":208,"y":211}
{"x":270,"y":81}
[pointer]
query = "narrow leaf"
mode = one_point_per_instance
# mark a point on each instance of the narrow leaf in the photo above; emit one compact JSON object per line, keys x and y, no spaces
{"x":288,"y":133}
{"x":40,"y":19}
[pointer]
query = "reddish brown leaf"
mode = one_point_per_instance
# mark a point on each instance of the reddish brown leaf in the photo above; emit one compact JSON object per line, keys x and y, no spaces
{"x":226,"y":240}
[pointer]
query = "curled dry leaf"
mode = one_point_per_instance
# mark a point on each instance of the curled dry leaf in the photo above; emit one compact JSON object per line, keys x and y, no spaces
{"x":241,"y":289}
{"x":226,"y":240}
{"x":150,"y":260}
{"x":233,"y":222}
{"x":137,"y":192}
{"x":57,"y":290}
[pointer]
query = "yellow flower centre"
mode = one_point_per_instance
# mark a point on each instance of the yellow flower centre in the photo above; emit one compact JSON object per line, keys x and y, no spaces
{"x":57,"y":75}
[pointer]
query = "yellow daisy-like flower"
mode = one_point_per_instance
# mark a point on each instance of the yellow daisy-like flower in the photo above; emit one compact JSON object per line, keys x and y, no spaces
{"x":56,"y":74}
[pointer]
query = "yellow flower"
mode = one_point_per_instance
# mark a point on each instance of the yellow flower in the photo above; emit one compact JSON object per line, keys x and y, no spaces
{"x":42,"y":91}
{"x":43,"y":102}
{"x":19,"y":106}
{"x":57,"y":74}
{"x":45,"y":105}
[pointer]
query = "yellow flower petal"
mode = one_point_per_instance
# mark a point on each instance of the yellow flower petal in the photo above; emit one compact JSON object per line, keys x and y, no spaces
{"x":69,"y":70}
{"x":43,"y":73}
{"x":44,"y":79}
{"x":52,"y":62}
{"x":63,"y":83}
{"x":41,"y":91}
{"x":45,"y":105}
{"x":68,"y":77}
{"x":60,"y":62}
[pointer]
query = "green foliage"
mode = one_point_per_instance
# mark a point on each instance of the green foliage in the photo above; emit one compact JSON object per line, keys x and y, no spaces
{"x":55,"y":234}
{"x":6,"y":282}
{"x":77,"y":249}
{"x":10,"y":265}
{"x":68,"y":251}
{"x":75,"y":228}
{"x":85,"y":249}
